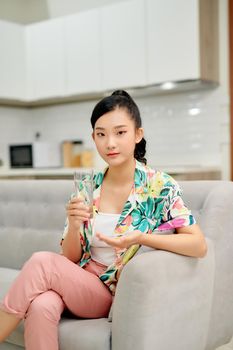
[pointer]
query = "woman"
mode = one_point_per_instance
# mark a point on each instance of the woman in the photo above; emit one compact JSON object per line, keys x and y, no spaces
{"x":132,"y":203}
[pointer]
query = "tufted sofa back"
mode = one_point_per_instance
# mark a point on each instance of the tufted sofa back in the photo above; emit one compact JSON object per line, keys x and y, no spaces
{"x":32,"y":216}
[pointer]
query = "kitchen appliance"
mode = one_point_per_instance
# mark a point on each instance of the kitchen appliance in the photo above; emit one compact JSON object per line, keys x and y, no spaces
{"x":35,"y":155}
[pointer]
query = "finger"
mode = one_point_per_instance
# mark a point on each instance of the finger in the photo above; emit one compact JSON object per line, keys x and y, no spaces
{"x":80,"y":207}
{"x":79,"y":213}
{"x":111,"y":241}
{"x":76,"y":200}
{"x":81,"y":203}
{"x":78,"y":218}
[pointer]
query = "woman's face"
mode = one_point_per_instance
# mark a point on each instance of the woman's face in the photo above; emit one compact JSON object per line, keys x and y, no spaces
{"x":115,"y":136}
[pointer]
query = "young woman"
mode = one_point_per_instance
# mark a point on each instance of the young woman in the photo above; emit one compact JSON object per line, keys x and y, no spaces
{"x":133,"y":205}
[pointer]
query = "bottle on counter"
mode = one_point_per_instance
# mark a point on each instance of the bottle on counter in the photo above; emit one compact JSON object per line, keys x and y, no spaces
{"x":72,"y":151}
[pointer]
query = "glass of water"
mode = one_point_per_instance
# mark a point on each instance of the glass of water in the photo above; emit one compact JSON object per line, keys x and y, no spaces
{"x":83,"y":185}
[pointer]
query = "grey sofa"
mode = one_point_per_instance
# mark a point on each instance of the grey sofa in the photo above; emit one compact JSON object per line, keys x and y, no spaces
{"x":163,"y":301}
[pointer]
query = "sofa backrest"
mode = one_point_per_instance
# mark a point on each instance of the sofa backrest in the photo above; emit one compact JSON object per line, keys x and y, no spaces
{"x":32,"y":217}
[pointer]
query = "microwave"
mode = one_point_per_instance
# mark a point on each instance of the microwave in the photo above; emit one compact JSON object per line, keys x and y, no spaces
{"x":35,"y":155}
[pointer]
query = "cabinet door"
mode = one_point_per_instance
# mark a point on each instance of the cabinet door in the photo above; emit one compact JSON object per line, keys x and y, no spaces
{"x":123,"y":44}
{"x":45,"y":59}
{"x":82,"y":50}
{"x":12,"y":61}
{"x":172,"y":40}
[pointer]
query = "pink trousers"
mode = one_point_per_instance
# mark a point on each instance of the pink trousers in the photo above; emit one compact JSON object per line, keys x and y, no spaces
{"x":49,"y":283}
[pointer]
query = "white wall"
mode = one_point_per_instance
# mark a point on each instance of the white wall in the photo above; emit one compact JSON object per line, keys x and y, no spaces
{"x":13,"y":129}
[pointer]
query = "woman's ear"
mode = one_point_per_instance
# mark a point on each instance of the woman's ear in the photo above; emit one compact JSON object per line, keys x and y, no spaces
{"x":139,"y":134}
{"x":93,"y":136}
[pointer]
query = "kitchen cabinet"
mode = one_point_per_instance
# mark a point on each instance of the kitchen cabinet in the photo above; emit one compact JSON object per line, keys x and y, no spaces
{"x":129,"y":44}
{"x":12,"y":61}
{"x":45,"y":59}
{"x":82,"y":52}
{"x":181,"y":40}
{"x":123,"y":45}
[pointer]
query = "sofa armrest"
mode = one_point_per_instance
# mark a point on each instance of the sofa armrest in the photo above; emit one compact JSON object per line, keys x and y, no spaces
{"x":163,"y":301}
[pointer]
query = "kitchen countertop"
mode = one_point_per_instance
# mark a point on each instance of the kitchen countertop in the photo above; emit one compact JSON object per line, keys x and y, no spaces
{"x":68,"y":172}
{"x":41,"y":171}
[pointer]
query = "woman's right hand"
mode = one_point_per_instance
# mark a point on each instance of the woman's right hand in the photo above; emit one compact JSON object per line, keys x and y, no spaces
{"x":77,"y":212}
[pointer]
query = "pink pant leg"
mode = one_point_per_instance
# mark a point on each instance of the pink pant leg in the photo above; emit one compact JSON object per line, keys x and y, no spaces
{"x":80,"y":291}
{"x":41,"y":322}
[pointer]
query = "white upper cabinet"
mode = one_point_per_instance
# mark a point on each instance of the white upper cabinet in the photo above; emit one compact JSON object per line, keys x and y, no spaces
{"x":82,"y":51}
{"x":128,"y":44}
{"x":12,"y":61}
{"x":181,"y":40}
{"x":172,"y":36}
{"x":123,"y":45}
{"x":45,"y":59}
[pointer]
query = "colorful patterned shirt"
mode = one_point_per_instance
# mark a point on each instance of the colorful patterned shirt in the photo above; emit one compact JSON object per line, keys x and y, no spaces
{"x":154,"y":204}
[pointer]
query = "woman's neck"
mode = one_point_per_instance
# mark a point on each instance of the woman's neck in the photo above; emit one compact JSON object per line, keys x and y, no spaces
{"x":123,"y":173}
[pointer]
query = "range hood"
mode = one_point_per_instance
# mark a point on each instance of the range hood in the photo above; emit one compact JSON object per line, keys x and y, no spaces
{"x":136,"y":92}
{"x":171,"y":87}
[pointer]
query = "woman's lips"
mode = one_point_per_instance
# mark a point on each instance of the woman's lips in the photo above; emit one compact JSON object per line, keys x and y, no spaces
{"x":112,"y":154}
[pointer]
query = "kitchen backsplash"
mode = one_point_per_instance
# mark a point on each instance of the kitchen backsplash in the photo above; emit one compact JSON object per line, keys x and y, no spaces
{"x":182,"y":129}
{"x":185,"y":129}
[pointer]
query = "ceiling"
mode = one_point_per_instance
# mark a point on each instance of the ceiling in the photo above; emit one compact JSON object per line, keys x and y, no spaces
{"x":29,"y":11}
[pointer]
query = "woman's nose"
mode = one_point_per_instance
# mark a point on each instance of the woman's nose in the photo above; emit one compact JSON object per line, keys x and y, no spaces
{"x":110,"y":143}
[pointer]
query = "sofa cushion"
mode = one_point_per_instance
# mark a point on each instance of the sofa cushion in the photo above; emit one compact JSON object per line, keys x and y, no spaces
{"x":84,"y":334}
{"x":75,"y":334}
{"x":7,"y":276}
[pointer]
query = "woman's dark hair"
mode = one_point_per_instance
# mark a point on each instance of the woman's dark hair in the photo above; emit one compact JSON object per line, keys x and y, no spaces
{"x":121,"y":99}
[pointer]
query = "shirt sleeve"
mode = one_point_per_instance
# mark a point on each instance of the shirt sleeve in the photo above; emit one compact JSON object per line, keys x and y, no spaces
{"x":66,"y":225}
{"x":175,"y":213}
{"x":64,"y":231}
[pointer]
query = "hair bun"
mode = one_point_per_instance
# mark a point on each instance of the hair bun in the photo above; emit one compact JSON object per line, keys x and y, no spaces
{"x":121,"y":93}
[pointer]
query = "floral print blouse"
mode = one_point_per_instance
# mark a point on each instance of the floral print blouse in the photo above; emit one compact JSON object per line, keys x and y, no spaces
{"x":154,"y":204}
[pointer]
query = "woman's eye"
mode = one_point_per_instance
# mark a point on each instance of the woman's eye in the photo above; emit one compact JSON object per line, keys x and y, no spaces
{"x":121,"y":132}
{"x":100,"y":134}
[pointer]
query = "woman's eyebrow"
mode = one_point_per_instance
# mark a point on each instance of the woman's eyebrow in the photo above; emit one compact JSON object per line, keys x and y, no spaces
{"x":99,"y":128}
{"x":115,"y":127}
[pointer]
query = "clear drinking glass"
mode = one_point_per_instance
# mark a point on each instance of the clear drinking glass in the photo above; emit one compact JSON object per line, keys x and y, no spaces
{"x":83,"y":184}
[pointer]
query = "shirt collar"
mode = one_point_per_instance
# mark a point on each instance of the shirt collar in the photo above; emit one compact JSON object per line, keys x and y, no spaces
{"x":140,"y":182}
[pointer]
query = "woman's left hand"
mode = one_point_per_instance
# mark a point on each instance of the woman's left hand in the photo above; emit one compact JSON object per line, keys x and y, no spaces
{"x":124,"y":241}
